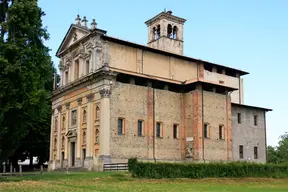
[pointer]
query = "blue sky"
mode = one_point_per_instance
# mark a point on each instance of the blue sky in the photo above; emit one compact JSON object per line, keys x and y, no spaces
{"x":248,"y":35}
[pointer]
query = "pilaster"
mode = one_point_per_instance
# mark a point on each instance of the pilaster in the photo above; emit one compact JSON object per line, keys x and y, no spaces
{"x":104,"y":144}
{"x":66,"y":131}
{"x":197,"y":124}
{"x":89,"y":131}
{"x":78,"y":144}
{"x":59,"y":109}
{"x":229,"y":127}
{"x":51,"y":136}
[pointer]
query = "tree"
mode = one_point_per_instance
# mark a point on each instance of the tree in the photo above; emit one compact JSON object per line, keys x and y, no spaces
{"x":279,"y":154}
{"x":25,"y":76}
{"x":283,"y":148}
{"x":272,"y":155}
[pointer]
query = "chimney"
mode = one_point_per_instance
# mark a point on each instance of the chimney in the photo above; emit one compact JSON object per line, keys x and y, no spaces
{"x":93,"y":24}
{"x":84,"y":21}
{"x":169,"y":12}
{"x":78,"y":20}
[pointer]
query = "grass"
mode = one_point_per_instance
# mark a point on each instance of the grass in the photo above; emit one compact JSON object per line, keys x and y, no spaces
{"x":93,"y":181}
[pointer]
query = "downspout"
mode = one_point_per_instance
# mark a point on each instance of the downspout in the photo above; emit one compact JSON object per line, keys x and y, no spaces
{"x":154,"y":125}
{"x":265,"y":136}
{"x":203,"y":125}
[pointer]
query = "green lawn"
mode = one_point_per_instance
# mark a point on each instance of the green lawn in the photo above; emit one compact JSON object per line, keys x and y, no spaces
{"x":124,"y":182}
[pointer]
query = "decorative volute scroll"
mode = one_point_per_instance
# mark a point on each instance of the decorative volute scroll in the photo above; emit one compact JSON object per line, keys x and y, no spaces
{"x":105,"y":93}
{"x":98,"y":50}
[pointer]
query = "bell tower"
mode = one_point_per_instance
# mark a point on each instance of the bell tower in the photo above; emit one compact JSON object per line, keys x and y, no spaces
{"x":165,"y":32}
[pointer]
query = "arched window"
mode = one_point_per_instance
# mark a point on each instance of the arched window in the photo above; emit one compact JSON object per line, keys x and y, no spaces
{"x":84,"y":116}
{"x":158,"y":31}
{"x":154,"y":33}
{"x":63,"y":142}
{"x":169,"y":31}
{"x":97,"y":136}
{"x":175,"y":30}
{"x":55,"y":144}
{"x":97,"y":112}
{"x":63,"y":123}
{"x":56,"y":124}
{"x":84,"y":137}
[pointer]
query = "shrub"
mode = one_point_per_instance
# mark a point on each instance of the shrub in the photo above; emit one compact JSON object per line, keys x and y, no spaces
{"x":204,"y":170}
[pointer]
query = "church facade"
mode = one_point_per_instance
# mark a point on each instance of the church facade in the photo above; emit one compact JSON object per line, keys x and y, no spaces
{"x":119,"y":99}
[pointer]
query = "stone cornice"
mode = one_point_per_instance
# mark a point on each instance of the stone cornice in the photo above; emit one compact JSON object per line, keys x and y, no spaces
{"x":98,"y":75}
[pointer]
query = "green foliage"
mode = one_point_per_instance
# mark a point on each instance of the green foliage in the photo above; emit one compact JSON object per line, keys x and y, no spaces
{"x":204,"y":170}
{"x":131,"y":164}
{"x":25,"y":76}
{"x":279,"y":154}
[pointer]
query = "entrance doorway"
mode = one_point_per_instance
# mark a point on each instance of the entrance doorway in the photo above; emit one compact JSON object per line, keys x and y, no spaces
{"x":72,"y":154}
{"x":83,"y":156}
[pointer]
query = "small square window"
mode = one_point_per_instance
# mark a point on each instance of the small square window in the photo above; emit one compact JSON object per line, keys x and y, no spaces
{"x":241,"y":152}
{"x":140,"y":129}
{"x":120,"y":126}
{"x":255,"y":120}
{"x":239,"y":118}
{"x":205,"y":130}
{"x":158,"y":129}
{"x":175,"y":131}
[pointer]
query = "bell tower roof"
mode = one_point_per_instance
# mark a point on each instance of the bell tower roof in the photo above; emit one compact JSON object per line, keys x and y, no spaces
{"x":165,"y":15}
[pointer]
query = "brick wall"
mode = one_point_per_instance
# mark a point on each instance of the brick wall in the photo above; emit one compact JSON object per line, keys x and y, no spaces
{"x":215,"y":114}
{"x":134,"y":102}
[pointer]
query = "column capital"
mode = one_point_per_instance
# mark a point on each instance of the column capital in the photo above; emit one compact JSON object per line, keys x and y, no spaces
{"x":79,"y":100}
{"x":67,"y":105}
{"x":90,"y":97}
{"x":59,"y":108}
{"x":105,"y":93}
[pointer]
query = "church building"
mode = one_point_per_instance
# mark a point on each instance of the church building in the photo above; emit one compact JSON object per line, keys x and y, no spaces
{"x":117,"y":100}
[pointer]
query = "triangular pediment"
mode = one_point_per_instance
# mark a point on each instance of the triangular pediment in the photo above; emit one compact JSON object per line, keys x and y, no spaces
{"x":73,"y":35}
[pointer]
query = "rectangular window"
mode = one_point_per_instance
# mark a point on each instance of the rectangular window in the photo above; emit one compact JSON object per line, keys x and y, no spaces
{"x":239,"y":118}
{"x":77,"y":69}
{"x":205,"y":130}
{"x":221,"y":135}
{"x":140,"y":128}
{"x":241,"y":153}
{"x":175,"y":131}
{"x":120,"y":126}
{"x":87,"y":66}
{"x":255,"y":152}
{"x":255,"y":120}
{"x":158,"y":129}
{"x":74,"y":118}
